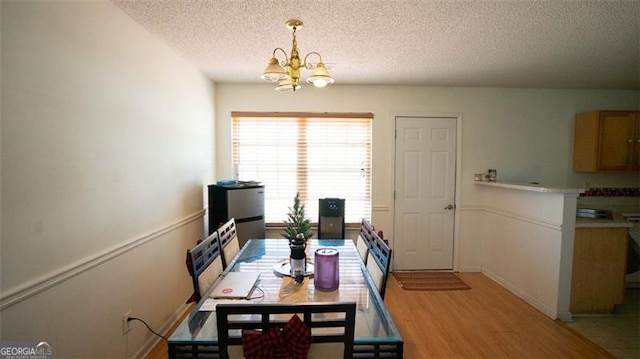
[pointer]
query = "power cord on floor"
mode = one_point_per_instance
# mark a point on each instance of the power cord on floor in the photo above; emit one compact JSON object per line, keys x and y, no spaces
{"x":148,"y":327}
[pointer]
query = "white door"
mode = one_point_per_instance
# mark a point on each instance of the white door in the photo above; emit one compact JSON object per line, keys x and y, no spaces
{"x":425,"y":160}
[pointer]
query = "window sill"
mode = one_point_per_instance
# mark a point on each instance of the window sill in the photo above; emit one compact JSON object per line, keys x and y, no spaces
{"x":313,"y":225}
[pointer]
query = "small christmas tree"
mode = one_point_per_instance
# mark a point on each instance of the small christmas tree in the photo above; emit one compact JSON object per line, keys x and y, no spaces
{"x":296,"y":221}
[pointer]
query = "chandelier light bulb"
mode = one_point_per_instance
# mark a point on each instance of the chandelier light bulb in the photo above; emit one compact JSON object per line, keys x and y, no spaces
{"x":320,"y":77}
{"x":320,"y":83}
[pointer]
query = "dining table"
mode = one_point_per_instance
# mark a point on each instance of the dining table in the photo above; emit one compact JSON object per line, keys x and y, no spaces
{"x":376,"y":336}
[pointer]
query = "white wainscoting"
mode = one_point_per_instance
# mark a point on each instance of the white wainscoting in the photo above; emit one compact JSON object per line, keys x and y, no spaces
{"x":24,"y":291}
{"x":78,"y":310}
{"x":523,"y":255}
{"x":527,"y":243}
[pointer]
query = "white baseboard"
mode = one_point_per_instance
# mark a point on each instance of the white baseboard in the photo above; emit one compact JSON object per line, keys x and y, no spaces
{"x":553,"y":314}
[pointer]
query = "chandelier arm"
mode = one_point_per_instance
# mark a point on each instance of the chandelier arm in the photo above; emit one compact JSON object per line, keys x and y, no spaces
{"x":286,"y":57}
{"x":308,"y":65}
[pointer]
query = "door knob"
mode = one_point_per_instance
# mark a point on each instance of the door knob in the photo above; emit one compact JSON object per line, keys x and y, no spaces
{"x":449,"y":207}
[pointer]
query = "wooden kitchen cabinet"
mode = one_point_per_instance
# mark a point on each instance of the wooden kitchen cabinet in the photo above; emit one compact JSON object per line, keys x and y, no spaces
{"x":599,"y":269}
{"x":606,"y":141}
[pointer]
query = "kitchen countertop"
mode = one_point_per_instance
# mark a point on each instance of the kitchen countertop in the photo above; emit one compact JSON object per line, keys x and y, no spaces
{"x":530,"y":187}
{"x":617,"y":221}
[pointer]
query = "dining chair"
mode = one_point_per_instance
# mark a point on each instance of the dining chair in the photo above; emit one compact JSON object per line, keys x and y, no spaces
{"x":205,"y":264}
{"x":324,"y":329}
{"x":364,"y":237}
{"x":229,"y":242}
{"x":379,"y":262}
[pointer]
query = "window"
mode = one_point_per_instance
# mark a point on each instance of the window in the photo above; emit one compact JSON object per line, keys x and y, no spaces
{"x":318,"y":155}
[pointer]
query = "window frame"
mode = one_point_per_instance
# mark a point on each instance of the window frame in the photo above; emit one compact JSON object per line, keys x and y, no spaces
{"x":301,"y":177}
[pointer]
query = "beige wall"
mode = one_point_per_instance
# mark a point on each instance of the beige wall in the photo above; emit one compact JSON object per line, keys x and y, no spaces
{"x":526,"y":134}
{"x":107,"y":140}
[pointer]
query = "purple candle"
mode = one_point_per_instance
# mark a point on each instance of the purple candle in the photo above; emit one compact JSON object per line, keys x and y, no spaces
{"x":326,"y":275}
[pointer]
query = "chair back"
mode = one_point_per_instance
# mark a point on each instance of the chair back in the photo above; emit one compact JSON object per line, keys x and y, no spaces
{"x":379,"y":262}
{"x":329,"y":323}
{"x":228,"y":241}
{"x":205,"y":264}
{"x":364,"y":238}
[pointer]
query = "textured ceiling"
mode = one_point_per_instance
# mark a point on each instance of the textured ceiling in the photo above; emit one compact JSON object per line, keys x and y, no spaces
{"x":509,"y":43}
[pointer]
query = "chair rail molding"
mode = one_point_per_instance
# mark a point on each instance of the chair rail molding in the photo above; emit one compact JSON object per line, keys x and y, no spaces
{"x":523,"y":218}
{"x":380,"y":208}
{"x":19,"y":293}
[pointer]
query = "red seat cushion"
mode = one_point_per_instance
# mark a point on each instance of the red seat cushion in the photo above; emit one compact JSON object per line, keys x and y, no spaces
{"x":291,"y":342}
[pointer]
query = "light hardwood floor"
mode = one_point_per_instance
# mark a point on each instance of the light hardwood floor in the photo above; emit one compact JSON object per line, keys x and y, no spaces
{"x":486,"y":321}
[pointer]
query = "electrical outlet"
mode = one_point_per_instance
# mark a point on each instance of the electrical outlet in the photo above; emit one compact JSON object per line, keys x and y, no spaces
{"x":125,"y":323}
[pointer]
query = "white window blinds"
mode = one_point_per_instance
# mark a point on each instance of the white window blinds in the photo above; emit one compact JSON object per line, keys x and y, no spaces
{"x":317,"y":155}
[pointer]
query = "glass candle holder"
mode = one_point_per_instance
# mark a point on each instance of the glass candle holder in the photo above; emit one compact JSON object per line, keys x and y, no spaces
{"x":326,"y":275}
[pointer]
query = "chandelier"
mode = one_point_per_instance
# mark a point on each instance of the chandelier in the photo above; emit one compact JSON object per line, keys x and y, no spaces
{"x":287,"y":72}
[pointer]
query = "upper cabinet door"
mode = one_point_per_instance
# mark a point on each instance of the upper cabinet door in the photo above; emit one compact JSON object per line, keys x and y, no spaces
{"x":606,"y":141}
{"x":636,"y":151}
{"x":617,"y":140}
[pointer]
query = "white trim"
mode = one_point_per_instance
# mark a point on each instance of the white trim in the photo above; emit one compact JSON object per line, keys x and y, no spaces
{"x":456,"y":196}
{"x":513,"y":215}
{"x":531,"y":187}
{"x":458,"y":170}
{"x":521,"y":218}
{"x":19,"y":293}
{"x":472,"y":208}
{"x":527,"y":297}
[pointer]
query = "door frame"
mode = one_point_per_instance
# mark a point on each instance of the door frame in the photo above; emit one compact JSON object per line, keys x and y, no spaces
{"x":458,"y":171}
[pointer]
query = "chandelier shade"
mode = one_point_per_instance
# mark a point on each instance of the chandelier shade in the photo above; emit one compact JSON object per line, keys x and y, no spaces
{"x":274,"y":72}
{"x":320,"y":77}
{"x":285,"y":86}
{"x":287,"y":72}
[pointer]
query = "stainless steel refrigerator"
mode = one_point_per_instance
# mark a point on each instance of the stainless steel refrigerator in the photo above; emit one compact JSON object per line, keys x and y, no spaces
{"x":242,"y":201}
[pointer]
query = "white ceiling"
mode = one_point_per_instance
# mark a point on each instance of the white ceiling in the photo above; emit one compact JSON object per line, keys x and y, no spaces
{"x":509,"y":43}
